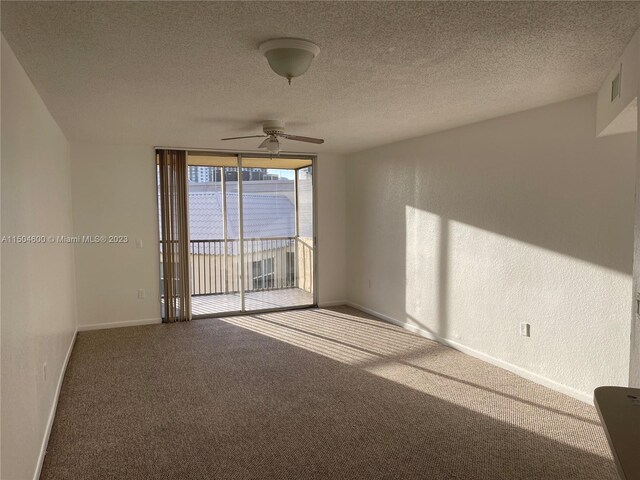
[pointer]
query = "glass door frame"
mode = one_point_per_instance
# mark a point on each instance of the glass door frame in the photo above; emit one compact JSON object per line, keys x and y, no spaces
{"x":239,"y":156}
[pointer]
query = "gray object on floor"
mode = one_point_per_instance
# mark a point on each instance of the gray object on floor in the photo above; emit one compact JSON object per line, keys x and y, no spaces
{"x":313,"y":394}
{"x":619,"y":411}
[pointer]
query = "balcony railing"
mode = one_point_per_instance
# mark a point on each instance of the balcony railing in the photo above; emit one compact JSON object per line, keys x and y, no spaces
{"x":269,"y":264}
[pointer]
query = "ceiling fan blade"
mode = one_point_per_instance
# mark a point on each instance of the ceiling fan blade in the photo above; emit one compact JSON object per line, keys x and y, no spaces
{"x":249,"y":136}
{"x":298,"y":138}
{"x":264,"y":143}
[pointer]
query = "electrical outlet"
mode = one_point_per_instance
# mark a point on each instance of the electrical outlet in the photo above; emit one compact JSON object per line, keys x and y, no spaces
{"x":525,"y":329}
{"x":44,"y":371}
{"x":139,"y":243}
{"x":141,"y":293}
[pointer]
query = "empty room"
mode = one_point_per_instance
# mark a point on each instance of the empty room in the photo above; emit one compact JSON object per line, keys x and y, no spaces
{"x":319,"y":240}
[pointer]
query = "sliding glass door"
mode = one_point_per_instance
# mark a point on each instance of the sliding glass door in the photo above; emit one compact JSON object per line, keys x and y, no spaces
{"x":278,"y":261}
{"x":251,"y":226}
{"x":214,"y":239}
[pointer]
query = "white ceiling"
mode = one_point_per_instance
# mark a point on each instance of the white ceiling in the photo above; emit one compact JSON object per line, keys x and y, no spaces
{"x":187,"y":74}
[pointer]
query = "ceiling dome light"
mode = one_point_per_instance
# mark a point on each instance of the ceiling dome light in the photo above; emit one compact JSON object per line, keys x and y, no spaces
{"x":289,"y":57}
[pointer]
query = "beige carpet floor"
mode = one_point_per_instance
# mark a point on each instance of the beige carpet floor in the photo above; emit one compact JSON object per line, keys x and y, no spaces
{"x":308,"y":394}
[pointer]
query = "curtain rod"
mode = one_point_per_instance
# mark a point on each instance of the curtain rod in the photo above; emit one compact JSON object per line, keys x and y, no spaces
{"x":236,"y":152}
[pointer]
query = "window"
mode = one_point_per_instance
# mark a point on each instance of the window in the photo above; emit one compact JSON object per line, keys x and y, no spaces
{"x":290,"y":269}
{"x":263,"y":274}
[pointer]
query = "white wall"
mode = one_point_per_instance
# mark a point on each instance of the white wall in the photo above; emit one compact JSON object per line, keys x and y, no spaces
{"x":634,"y":357}
{"x":331,"y":211}
{"x":38,"y":301}
{"x":524,"y":218}
{"x":114,"y":193}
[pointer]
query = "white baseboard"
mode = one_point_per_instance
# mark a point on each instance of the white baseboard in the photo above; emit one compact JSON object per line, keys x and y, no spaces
{"x":333,"y":303}
{"x":125,"y":323}
{"x":534,"y":377}
{"x":54,"y":407}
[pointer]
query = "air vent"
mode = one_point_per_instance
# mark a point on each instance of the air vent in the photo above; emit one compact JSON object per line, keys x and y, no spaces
{"x":615,"y":85}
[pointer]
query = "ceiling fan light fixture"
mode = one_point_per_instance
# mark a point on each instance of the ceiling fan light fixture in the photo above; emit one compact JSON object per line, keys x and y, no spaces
{"x":289,"y":57}
{"x":273,"y":145}
{"x":273,"y":132}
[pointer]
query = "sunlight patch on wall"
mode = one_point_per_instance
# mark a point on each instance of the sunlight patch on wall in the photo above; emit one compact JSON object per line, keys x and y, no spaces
{"x":477,"y":287}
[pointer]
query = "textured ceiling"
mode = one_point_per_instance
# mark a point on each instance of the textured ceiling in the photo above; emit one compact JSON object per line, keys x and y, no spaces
{"x":187,"y":74}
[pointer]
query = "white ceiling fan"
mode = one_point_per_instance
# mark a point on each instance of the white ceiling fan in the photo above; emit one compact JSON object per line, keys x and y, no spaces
{"x":273,"y":131}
